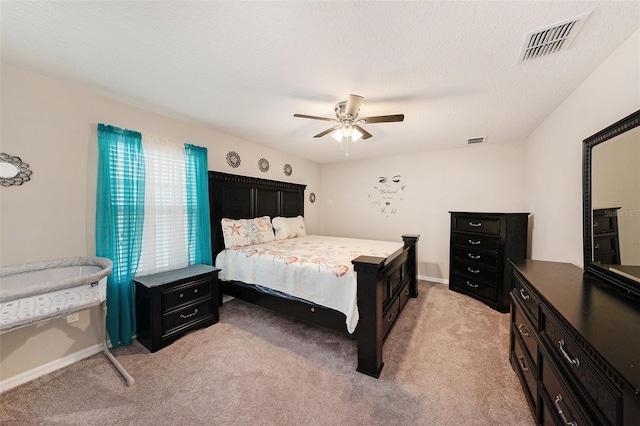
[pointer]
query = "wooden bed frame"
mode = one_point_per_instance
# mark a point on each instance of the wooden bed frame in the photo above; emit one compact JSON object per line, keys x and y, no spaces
{"x":384,"y":284}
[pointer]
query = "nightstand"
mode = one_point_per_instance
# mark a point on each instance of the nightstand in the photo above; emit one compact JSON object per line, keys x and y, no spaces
{"x":172,"y":303}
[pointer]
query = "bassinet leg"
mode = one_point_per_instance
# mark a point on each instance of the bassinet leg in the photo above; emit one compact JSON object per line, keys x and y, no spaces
{"x":105,"y":349}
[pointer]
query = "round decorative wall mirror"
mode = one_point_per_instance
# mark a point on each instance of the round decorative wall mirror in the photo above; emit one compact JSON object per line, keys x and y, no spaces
{"x":13,"y":171}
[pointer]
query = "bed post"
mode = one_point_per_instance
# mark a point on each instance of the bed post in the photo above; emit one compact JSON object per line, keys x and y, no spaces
{"x":411,"y":242}
{"x":369,"y":331}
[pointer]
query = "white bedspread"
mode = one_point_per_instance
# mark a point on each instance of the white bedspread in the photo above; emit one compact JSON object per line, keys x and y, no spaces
{"x":314,"y":268}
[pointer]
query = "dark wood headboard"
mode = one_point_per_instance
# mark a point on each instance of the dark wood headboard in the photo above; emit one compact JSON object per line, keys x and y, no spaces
{"x":243,"y":197}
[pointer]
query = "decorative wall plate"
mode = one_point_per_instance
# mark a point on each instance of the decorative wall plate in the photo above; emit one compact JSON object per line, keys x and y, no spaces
{"x":233,"y":159}
{"x":263,"y":165}
{"x":312,"y":197}
{"x":288,"y":170}
{"x":13,"y":171}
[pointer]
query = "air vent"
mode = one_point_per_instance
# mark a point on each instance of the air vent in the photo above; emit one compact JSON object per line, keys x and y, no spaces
{"x":475,"y":140}
{"x":551,"y":39}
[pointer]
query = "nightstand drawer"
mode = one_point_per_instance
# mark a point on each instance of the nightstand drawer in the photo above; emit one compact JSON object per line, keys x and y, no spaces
{"x":476,"y":224}
{"x":461,"y":239}
{"x":186,"y":316}
{"x":476,"y":287}
{"x":182,"y":295}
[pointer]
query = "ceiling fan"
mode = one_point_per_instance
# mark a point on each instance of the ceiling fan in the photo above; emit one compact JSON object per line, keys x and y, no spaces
{"x":346,"y":126}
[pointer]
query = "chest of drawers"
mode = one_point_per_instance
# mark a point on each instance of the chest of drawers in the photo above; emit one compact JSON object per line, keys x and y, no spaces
{"x":479,"y":248}
{"x":172,"y":303}
{"x":571,"y":346}
{"x":606,"y":242}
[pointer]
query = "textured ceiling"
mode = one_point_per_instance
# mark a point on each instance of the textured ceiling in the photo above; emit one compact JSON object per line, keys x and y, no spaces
{"x":244,"y":68}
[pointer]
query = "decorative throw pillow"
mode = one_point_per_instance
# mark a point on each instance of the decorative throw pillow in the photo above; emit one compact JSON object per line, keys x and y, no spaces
{"x":245,"y":232}
{"x":289,"y":227}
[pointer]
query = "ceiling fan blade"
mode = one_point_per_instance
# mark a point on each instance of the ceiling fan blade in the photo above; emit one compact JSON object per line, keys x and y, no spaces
{"x":384,"y":118}
{"x":365,"y":134}
{"x":326,"y":132}
{"x":353,"y":105}
{"x":313,"y":117}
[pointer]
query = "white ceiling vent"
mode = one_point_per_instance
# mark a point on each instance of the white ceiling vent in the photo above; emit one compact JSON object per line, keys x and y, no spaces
{"x":476,"y":140}
{"x":554,"y":38}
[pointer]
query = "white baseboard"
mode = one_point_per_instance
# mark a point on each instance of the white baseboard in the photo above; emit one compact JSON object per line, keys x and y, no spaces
{"x":433,"y":279}
{"x":50,"y":367}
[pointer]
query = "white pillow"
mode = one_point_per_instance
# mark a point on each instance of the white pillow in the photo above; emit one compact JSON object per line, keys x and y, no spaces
{"x":245,"y":232}
{"x":289,"y":227}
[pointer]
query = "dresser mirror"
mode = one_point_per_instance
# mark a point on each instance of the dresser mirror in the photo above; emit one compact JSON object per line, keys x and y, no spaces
{"x":611,"y":194}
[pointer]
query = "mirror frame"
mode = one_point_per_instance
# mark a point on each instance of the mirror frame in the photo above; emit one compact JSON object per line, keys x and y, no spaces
{"x":604,"y":135}
{"x":23,"y":174}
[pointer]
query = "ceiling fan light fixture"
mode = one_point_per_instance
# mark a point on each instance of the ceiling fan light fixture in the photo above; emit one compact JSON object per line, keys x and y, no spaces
{"x":347,"y":132}
{"x":346,"y":126}
{"x":355,"y":135}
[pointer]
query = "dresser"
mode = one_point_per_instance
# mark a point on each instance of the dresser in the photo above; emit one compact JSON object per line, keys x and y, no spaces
{"x":574,"y":344}
{"x":172,"y":303}
{"x":606,"y":243}
{"x":480,"y":245}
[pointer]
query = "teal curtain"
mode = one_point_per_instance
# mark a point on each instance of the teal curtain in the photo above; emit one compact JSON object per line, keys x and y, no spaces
{"x":197,"y":185}
{"x":119,"y":220}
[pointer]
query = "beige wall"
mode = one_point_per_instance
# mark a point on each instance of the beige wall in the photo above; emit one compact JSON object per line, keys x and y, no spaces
{"x":52,"y":127}
{"x":553,"y":153}
{"x":484,"y":178}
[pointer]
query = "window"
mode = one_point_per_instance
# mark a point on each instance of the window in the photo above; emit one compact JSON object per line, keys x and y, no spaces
{"x":152,"y":215}
{"x":165,"y":230}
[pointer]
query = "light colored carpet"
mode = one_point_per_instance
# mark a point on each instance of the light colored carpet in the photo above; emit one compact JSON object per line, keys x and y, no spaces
{"x":446,"y":363}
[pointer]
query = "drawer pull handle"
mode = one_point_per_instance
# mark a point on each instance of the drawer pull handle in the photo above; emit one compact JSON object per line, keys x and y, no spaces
{"x":597,"y":246}
{"x":473,"y":271}
{"x":522,"y":364}
{"x":573,"y":361}
{"x":477,"y":256}
{"x":195,"y":291}
{"x":390,"y":317}
{"x":595,"y":224}
{"x":523,"y":330}
{"x":195,"y":311}
{"x":475,"y":225}
{"x":564,"y":419}
{"x":474,"y":242}
{"x":523,"y":295}
{"x":181,"y":295}
{"x":472,"y":285}
{"x":406,"y":293}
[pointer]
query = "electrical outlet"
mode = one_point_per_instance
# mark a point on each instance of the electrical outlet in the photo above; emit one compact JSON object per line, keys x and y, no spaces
{"x":74,"y":317}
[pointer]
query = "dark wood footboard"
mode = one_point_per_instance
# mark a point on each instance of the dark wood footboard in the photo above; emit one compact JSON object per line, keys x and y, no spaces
{"x":384,"y":286}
